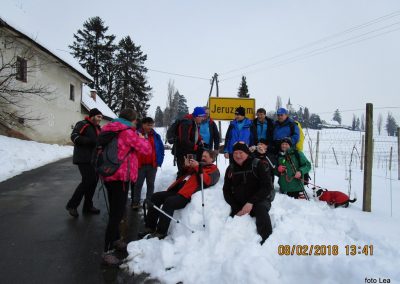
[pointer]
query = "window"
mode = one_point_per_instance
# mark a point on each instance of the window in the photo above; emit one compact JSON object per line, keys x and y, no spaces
{"x":21,"y":69}
{"x":72,"y":92}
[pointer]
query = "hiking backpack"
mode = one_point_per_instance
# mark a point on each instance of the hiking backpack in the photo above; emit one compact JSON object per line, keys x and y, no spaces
{"x":105,"y":157}
{"x":172,"y":132}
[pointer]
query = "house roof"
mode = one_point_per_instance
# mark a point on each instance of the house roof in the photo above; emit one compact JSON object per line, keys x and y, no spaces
{"x":89,"y":103}
{"x":71,"y":63}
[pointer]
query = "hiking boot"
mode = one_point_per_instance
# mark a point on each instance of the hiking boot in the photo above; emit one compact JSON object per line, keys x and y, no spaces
{"x":91,"y":210}
{"x":146,"y":231}
{"x":135,"y":206}
{"x":120,"y":245}
{"x":111,"y":260}
{"x":72,"y":211}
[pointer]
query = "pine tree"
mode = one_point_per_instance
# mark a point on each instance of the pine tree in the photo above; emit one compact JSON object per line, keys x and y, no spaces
{"x":362,"y":126}
{"x":94,"y":50}
{"x":357,"y":124}
{"x":132,"y":87}
{"x":379,"y":123}
{"x":337,"y":116}
{"x":353,"y":123}
{"x":306,"y":117}
{"x":243,"y":89}
{"x":181,"y":104}
{"x":314,"y":122}
{"x":278,"y":102}
{"x":391,"y":125}
{"x":159,"y":117}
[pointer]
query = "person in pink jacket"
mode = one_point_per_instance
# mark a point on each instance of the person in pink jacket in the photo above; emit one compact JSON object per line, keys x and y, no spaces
{"x":129,"y":144}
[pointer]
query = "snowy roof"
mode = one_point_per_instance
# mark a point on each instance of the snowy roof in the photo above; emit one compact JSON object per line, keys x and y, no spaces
{"x":89,"y":103}
{"x":65,"y":58}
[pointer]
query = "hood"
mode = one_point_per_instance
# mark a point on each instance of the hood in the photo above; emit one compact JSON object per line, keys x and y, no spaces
{"x":117,"y":125}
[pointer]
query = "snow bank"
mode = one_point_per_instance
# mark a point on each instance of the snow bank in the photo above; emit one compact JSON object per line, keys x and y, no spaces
{"x":228,"y":251}
{"x":18,"y":156}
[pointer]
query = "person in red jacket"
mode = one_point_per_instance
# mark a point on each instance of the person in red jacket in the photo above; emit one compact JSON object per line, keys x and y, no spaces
{"x":178,"y":194}
{"x":334,"y":198}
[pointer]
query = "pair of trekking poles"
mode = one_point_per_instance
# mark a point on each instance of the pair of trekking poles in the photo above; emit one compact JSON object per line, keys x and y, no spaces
{"x":151,"y":204}
{"x":162,"y":211}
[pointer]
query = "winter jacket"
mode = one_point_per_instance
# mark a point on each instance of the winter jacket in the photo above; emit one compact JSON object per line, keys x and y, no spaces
{"x":247,"y":134}
{"x":288,"y":128}
{"x":213,"y":142}
{"x":129,"y":144}
{"x":293,"y":162}
{"x":243,"y":184}
{"x":334,"y":197}
{"x":186,"y":142}
{"x":84,"y":136}
{"x":191,"y":175}
{"x":158,"y":146}
{"x":269,"y":124}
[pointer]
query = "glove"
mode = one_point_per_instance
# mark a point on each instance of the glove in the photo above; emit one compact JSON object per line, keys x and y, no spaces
{"x":281,"y":169}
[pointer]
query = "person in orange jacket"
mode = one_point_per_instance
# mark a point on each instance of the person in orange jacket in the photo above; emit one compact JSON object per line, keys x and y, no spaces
{"x":179,"y":193}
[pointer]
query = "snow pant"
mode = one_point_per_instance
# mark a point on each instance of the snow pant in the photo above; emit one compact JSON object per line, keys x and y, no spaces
{"x":294,"y":194}
{"x":180,"y":163}
{"x":148,"y":173}
{"x":263,"y":221}
{"x":117,"y":192}
{"x":86,"y":188}
{"x":170,"y":201}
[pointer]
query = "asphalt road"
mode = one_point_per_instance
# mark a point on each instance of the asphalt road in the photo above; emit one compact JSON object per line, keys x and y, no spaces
{"x":41,"y":243}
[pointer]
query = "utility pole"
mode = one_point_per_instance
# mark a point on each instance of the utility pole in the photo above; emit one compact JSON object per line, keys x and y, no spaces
{"x":215,"y":80}
{"x":368,"y":160}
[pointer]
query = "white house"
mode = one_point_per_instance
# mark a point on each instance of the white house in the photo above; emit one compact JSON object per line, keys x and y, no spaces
{"x":47,"y":117}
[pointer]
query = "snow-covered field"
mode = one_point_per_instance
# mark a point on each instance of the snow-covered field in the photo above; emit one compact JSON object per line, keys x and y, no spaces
{"x":17,"y":156}
{"x":228,"y":251}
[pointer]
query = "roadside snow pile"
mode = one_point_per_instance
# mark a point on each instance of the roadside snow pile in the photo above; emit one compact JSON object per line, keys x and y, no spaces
{"x":228,"y":251}
{"x":17,"y":156}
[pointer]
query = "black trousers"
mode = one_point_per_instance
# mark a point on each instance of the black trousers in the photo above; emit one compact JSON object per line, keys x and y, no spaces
{"x":117,"y":192}
{"x":294,"y":194}
{"x":263,"y":221}
{"x":86,"y":188}
{"x":168,"y":201}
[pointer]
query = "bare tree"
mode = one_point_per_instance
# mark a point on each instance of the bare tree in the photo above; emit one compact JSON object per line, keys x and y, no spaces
{"x":379,"y":123}
{"x":17,"y":64}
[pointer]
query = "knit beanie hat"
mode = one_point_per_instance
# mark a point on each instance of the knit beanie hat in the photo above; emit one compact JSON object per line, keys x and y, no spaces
{"x":94,"y":112}
{"x":240,"y":146}
{"x":240,"y":111}
{"x":199,"y":111}
{"x":287,"y":140}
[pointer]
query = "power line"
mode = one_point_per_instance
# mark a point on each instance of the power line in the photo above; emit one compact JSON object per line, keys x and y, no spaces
{"x":321,"y":50}
{"x":371,"y":22}
{"x":180,"y":75}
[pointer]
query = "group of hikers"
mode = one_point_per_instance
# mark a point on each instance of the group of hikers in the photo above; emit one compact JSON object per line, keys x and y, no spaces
{"x":257,"y":150}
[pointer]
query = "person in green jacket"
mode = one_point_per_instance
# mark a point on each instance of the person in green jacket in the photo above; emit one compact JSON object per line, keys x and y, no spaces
{"x":292,"y":166}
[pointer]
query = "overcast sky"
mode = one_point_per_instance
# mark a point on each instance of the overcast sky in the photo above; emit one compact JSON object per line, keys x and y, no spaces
{"x":199,"y":38}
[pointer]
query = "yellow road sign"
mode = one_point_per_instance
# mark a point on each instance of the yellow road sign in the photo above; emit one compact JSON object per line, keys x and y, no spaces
{"x":224,"y":108}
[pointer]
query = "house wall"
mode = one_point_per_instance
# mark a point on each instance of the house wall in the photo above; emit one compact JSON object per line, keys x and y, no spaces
{"x":51,"y":118}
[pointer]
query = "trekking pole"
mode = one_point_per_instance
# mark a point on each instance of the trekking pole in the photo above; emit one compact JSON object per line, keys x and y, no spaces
{"x":202,"y":193}
{"x":169,"y":216}
{"x":301,"y":180}
{"x":105,"y":197}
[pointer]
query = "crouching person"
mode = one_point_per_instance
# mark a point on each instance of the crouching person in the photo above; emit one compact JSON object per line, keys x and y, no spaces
{"x":248,"y":189}
{"x":292,"y":167}
{"x":178,"y":195}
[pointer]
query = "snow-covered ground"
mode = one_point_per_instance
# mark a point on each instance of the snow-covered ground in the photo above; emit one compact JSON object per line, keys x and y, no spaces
{"x":228,"y":251}
{"x":17,"y":156}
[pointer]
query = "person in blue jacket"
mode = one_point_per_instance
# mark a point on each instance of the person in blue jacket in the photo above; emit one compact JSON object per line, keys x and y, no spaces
{"x":148,"y":164}
{"x":209,"y":133}
{"x":241,"y":129}
{"x":284,"y":126}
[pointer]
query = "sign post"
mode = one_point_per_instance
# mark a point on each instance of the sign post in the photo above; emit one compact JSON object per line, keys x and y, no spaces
{"x":224,"y":108}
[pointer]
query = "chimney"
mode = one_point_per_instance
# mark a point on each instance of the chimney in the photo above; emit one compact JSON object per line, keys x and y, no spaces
{"x":93,"y":94}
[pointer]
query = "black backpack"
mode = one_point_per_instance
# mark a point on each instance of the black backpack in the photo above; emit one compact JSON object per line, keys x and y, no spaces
{"x":105,"y":157}
{"x":172,"y":132}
